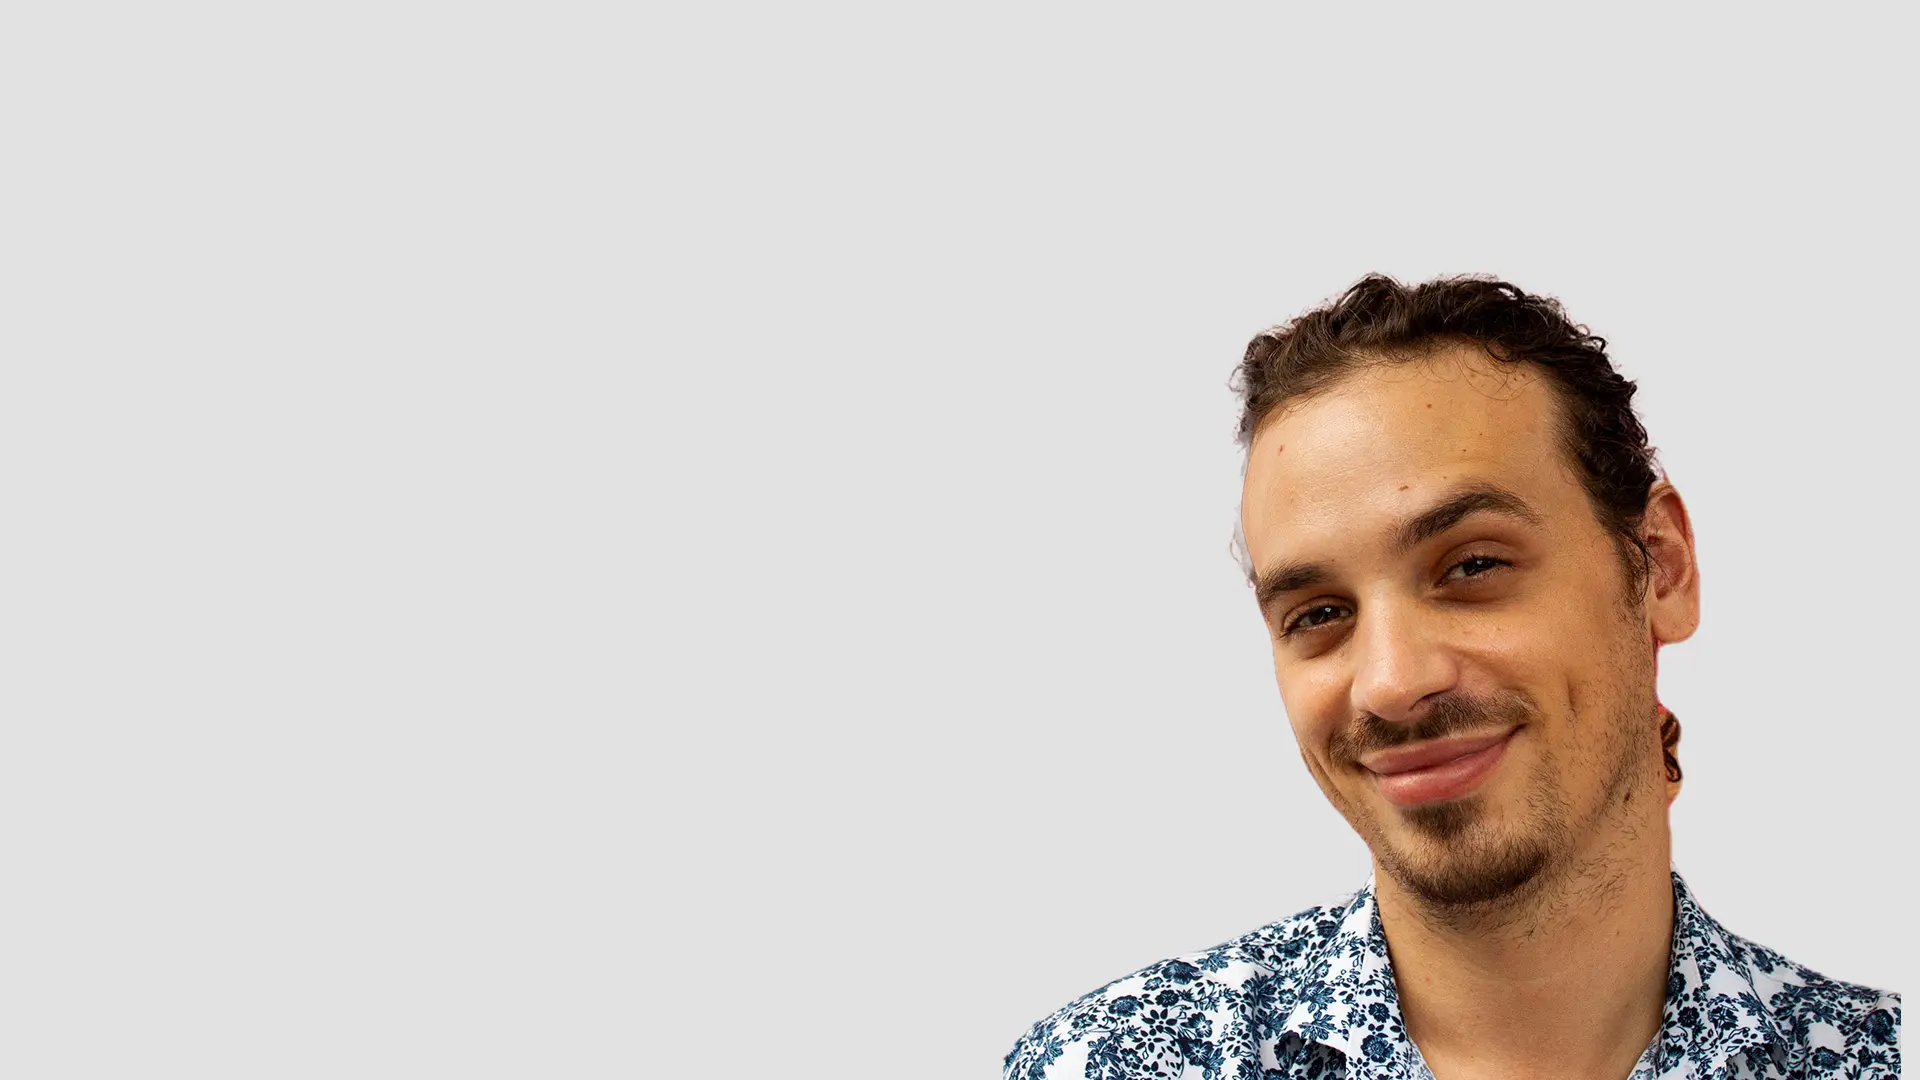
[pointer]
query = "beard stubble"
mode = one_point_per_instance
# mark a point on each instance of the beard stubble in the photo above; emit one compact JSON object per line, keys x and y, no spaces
{"x":1461,"y":859}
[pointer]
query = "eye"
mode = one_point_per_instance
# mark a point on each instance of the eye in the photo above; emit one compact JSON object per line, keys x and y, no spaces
{"x":1473,"y":566}
{"x":1313,"y":618}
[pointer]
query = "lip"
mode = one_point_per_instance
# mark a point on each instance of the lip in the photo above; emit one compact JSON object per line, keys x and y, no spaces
{"x":1432,"y":771}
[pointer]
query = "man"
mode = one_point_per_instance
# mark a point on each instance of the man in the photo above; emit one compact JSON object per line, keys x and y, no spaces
{"x":1467,"y":564}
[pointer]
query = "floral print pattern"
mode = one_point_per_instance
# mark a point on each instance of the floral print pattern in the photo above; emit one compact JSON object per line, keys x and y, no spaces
{"x":1313,"y":997}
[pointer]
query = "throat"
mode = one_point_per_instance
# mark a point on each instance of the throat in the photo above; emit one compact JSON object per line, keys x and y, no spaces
{"x":1566,"y":977}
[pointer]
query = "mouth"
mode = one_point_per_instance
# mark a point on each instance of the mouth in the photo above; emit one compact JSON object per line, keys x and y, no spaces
{"x":1437,"y":770}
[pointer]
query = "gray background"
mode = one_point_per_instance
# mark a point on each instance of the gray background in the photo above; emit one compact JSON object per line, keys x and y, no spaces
{"x":548,"y":540}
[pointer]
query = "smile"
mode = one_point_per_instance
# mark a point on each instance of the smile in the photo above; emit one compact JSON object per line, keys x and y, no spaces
{"x":1432,"y":771}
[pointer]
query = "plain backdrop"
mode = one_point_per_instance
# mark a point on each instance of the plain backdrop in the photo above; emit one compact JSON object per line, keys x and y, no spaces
{"x":595,"y":540}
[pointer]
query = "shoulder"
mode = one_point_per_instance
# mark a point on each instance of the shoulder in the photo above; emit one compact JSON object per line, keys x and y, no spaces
{"x":1838,"y":1028}
{"x":1204,"y":1009}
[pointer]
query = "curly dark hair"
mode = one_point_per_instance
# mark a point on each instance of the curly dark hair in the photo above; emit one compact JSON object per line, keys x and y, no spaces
{"x":1380,"y":320}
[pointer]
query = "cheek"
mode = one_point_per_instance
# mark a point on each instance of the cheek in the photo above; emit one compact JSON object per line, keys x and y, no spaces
{"x":1316,"y":708}
{"x":1581,"y":659}
{"x":1557,"y":637}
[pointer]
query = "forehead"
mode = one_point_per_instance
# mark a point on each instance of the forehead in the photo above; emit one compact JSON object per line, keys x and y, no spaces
{"x":1391,"y":436}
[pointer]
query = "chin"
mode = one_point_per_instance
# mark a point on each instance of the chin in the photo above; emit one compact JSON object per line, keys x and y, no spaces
{"x":1456,"y":858}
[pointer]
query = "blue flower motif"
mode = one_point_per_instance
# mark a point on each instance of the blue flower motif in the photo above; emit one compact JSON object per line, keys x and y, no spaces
{"x":1167,"y":997}
{"x":1376,"y":1048}
{"x":1880,"y":1026}
{"x":1377,"y":1010}
{"x":1124,"y":1006}
{"x":1825,"y":1059}
{"x":1689,"y":1016}
{"x":1180,"y":971}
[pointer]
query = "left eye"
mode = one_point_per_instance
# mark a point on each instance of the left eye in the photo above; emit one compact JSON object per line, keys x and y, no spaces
{"x":1472,"y":566}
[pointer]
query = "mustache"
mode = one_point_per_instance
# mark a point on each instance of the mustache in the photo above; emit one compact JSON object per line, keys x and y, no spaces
{"x":1448,"y":715}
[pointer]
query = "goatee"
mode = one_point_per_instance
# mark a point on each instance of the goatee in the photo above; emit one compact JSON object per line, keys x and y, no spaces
{"x":1467,"y":864}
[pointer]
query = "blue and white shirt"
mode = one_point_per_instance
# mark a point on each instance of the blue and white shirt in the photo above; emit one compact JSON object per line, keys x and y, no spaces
{"x":1313,"y":996}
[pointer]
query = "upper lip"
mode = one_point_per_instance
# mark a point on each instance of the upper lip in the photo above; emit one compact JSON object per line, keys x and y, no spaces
{"x":1428,"y":754}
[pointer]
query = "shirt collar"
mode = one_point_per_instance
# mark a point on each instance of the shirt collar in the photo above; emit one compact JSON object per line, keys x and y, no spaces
{"x":1347,"y":999}
{"x":1717,"y":990}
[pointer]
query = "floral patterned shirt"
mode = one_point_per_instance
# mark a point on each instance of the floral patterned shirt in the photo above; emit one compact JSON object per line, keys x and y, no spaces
{"x":1313,"y":997}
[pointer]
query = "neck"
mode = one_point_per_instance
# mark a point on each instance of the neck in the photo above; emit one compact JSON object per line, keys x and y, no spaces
{"x":1568,"y":981}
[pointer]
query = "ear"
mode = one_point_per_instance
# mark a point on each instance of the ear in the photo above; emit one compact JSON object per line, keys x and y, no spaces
{"x":1673,"y":586}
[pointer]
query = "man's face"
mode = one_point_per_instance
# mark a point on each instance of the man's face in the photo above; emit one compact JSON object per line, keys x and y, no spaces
{"x":1468,"y":679}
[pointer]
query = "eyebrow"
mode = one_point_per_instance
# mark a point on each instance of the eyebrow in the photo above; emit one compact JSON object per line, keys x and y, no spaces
{"x":1477,"y":499}
{"x":1277,"y":581}
{"x":1280,"y":580}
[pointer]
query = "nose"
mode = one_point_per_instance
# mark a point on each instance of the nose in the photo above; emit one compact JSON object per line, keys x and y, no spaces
{"x":1400,"y":662}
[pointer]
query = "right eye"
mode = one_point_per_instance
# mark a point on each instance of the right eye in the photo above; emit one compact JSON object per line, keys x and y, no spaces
{"x":1313,"y":618}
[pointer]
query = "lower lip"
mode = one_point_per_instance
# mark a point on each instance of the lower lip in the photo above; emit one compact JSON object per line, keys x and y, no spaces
{"x":1447,"y":780}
